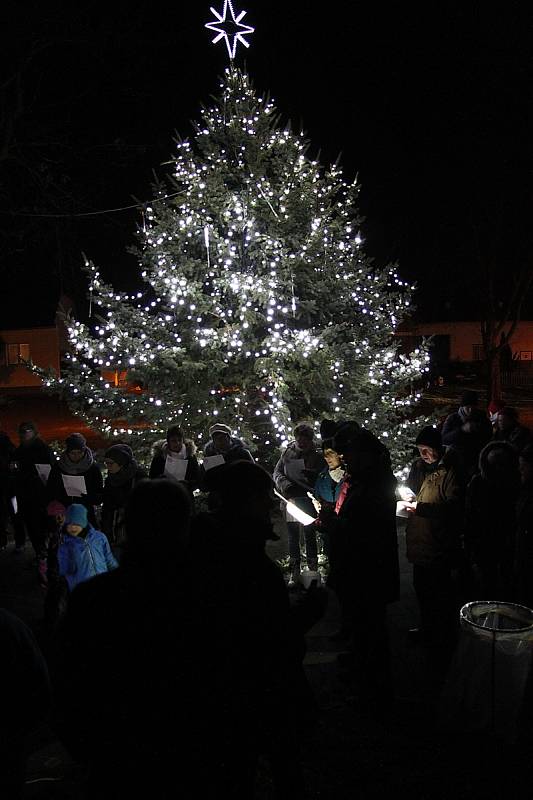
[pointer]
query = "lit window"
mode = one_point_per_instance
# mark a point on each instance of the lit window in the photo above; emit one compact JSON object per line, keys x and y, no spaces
{"x":17,"y":353}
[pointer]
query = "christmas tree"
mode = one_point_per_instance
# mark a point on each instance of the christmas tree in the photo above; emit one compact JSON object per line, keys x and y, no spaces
{"x":259,"y":306}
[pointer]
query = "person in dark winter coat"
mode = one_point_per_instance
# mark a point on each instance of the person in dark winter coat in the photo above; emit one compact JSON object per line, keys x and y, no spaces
{"x":222,"y":446}
{"x":173,"y":450}
{"x":137,"y":631}
{"x":295,"y":475}
{"x":83,"y":551}
{"x":490,"y":524}
{"x":222,"y":443}
{"x":523,"y":563}
{"x":364,"y":566}
{"x":252,"y":626}
{"x":7,"y":485}
{"x":123,"y":474}
{"x":433,"y":534}
{"x":467,"y":430}
{"x":76,"y":460}
{"x":30,"y":489}
{"x":508,"y":429}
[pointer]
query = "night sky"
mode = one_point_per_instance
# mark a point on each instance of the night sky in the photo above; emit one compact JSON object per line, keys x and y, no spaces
{"x":431,"y":108}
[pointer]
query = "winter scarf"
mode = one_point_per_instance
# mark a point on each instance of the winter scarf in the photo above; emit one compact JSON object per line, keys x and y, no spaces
{"x":337,"y":474}
{"x":68,"y":467}
{"x":121,"y":478}
{"x":166,"y":453}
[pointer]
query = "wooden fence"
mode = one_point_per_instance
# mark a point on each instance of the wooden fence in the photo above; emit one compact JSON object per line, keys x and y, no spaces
{"x":517,"y":377}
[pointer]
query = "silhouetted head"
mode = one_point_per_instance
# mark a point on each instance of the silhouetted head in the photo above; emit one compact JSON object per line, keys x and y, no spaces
{"x":27,"y":432}
{"x":158,"y":516}
{"x":361,"y":451}
{"x":245,"y":491}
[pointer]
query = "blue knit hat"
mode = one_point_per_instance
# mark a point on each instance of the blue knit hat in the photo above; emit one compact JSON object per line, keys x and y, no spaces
{"x":76,"y":515}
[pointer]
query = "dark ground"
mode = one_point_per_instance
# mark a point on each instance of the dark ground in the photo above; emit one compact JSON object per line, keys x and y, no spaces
{"x":348,"y":752}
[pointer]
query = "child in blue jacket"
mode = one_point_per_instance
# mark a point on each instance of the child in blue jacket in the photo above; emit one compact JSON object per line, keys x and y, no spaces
{"x":84,"y":552}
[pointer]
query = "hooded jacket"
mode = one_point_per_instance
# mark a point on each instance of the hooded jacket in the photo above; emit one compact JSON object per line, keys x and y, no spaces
{"x":285,"y":482}
{"x":160,"y":452}
{"x":469,"y":444}
{"x":83,"y":557}
{"x":518,"y":437}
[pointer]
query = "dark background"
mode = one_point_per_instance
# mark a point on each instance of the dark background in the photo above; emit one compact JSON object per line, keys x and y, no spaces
{"x":431,"y":107}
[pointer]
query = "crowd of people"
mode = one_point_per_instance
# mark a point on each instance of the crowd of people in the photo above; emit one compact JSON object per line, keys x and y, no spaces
{"x":142,"y":591}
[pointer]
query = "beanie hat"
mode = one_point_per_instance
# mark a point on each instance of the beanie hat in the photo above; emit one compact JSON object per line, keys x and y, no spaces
{"x":431,"y":437}
{"x":54,"y":508}
{"x":27,"y":426}
{"x":345,"y":436}
{"x":468,"y":398}
{"x":76,"y":515}
{"x":219,"y":427}
{"x":328,"y":428}
{"x":121,"y":454}
{"x":75,"y":442}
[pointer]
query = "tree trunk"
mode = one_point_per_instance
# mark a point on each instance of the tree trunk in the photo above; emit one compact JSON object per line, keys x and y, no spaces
{"x":494,"y":377}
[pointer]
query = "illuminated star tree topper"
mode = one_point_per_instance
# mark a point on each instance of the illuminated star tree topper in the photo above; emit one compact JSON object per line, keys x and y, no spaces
{"x":229,"y":27}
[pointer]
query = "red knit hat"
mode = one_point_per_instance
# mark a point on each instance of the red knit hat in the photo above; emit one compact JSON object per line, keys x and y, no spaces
{"x":495,"y":406}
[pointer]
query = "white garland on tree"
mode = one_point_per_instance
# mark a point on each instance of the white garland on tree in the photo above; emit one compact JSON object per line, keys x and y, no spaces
{"x":259,"y":307}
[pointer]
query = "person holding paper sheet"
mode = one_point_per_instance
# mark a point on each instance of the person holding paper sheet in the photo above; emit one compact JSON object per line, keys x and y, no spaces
{"x":76,"y":462}
{"x":175,"y":458}
{"x":223,"y":448}
{"x":366,"y":570}
{"x":223,"y":443}
{"x":433,"y":535}
{"x":31,"y":455}
{"x":295,"y":475}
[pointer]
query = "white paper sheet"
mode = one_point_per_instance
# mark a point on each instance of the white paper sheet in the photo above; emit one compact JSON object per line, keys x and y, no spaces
{"x":43,"y":471}
{"x":213,"y":461}
{"x":14,"y":505}
{"x":74,"y":485}
{"x":401,"y":510}
{"x":176,"y":468}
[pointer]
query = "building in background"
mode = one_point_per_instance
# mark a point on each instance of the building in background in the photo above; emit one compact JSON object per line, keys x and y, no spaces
{"x":457,"y":349}
{"x":40,"y":345}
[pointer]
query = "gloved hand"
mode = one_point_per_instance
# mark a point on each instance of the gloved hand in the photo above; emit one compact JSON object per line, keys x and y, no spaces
{"x":293,"y":491}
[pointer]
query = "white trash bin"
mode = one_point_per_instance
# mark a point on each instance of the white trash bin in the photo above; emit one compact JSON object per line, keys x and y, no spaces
{"x":489,"y":672}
